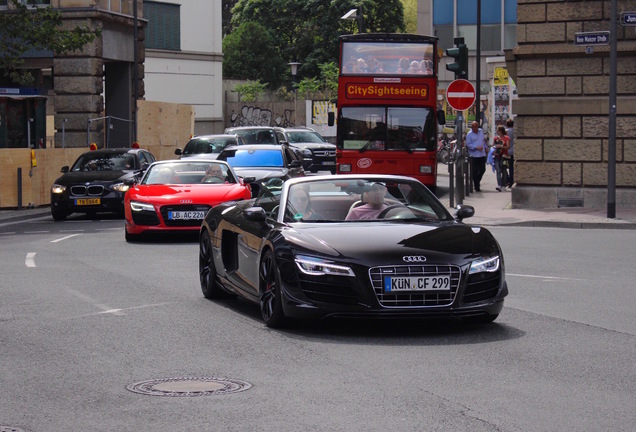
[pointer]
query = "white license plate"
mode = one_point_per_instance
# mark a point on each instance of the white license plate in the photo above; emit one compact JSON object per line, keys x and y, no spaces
{"x":416,"y":283}
{"x":186,"y":215}
{"x":328,"y":163}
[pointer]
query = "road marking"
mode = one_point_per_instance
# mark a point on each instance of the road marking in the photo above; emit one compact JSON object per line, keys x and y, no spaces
{"x":64,"y":238}
{"x":29,"y":261}
{"x":544,"y":277}
{"x":73,"y":230}
{"x":35,"y":232}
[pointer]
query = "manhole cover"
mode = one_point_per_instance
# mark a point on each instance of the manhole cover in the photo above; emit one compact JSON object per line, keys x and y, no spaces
{"x":189,"y":386}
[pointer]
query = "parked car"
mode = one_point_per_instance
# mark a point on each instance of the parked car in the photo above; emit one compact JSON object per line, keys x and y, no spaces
{"x":175,"y":195}
{"x":208,"y":146}
{"x":318,"y":153}
{"x":313,"y":150}
{"x":305,"y":258}
{"x":97,"y":181}
{"x":264,"y":162}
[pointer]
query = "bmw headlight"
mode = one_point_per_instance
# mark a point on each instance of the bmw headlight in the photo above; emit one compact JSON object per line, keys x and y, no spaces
{"x":484,"y":264}
{"x":319,"y":267}
{"x":57,"y":189}
{"x":120,"y":187}
{"x":140,"y":206}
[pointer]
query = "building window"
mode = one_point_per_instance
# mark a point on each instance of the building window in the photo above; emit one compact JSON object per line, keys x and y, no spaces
{"x":458,"y":18}
{"x":164,"y":25}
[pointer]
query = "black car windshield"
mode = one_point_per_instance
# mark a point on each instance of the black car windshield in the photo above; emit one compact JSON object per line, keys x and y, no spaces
{"x":254,"y":158}
{"x":336,"y":200}
{"x":208,"y":145}
{"x":256,"y":136}
{"x":180,"y":172}
{"x":104,"y":162}
{"x":304,"y":137}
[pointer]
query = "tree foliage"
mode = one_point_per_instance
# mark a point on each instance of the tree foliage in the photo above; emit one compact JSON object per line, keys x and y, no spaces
{"x":249,"y":52}
{"x":25,"y":28}
{"x":250,"y":91}
{"x":307,"y":31}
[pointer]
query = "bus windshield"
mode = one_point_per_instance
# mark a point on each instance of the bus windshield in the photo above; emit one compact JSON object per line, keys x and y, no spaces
{"x":387,"y":128}
{"x":371,"y":58}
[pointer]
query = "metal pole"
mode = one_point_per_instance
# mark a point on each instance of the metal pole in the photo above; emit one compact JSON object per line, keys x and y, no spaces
{"x":88,"y":132}
{"x":611,"y":151}
{"x":19,"y":188}
{"x":460,"y":160}
{"x":451,"y":179}
{"x":107,"y":130}
{"x":478,"y":67}
{"x":63,"y":133}
{"x":135,"y":71}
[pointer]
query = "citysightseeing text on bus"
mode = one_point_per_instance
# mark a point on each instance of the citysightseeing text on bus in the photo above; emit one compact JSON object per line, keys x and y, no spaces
{"x":386,"y":91}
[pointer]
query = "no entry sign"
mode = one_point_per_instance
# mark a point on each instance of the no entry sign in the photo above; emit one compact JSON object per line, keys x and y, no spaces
{"x":460,"y":95}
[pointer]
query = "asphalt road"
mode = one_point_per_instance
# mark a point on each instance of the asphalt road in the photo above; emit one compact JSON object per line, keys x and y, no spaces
{"x":84,"y":315}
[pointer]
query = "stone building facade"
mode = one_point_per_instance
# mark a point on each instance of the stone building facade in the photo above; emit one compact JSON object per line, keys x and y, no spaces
{"x":562,"y":114}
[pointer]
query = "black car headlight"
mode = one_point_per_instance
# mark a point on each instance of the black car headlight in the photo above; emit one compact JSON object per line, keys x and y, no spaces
{"x":319,"y":267}
{"x":120,"y":187}
{"x":57,"y":188}
{"x":138,"y":206}
{"x":484,"y":264}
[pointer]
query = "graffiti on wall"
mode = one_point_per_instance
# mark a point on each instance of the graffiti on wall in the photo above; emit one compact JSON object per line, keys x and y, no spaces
{"x":255,"y":116}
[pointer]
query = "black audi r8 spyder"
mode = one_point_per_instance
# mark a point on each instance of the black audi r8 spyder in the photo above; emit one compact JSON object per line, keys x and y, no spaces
{"x":351,"y":246}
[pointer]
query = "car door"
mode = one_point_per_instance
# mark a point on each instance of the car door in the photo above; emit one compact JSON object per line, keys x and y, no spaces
{"x":293,"y":161}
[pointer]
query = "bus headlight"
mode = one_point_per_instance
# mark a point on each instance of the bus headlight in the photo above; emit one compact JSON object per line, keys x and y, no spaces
{"x":426,"y":169}
{"x":344,"y":168}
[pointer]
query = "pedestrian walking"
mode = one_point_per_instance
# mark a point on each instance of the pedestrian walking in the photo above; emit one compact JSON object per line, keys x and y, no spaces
{"x":476,"y":145}
{"x":501,"y":143}
{"x":510,"y":131}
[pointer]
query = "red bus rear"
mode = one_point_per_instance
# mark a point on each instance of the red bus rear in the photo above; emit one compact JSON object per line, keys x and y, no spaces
{"x":387,"y":106}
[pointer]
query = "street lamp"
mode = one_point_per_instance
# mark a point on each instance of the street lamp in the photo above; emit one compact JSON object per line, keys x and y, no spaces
{"x":294,"y":71}
{"x":355,"y":15}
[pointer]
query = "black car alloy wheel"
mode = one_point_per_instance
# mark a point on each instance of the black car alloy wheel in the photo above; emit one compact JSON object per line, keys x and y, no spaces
{"x":207,"y":271}
{"x":271,"y":302}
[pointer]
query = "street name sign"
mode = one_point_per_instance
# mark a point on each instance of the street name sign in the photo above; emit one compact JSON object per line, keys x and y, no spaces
{"x":460,"y":95}
{"x":628,"y":18}
{"x":592,"y":38}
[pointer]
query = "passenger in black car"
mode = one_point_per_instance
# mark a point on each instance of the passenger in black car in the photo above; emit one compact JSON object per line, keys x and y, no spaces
{"x":299,"y":205}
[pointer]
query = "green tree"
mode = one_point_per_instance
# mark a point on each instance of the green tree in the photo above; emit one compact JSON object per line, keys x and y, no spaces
{"x":23,"y":28}
{"x":250,"y":52}
{"x":250,"y":91}
{"x":410,"y":15}
{"x":307,"y":31}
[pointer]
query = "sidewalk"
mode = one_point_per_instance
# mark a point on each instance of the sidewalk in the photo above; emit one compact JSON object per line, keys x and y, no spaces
{"x":495,"y":208}
{"x":491,"y":208}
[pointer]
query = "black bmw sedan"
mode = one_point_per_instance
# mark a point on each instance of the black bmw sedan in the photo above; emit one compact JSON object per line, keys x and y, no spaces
{"x":352,"y":246}
{"x":96,"y":182}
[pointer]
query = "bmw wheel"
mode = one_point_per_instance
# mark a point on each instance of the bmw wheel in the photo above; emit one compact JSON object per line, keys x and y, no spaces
{"x":58,"y":215}
{"x":271,"y":302}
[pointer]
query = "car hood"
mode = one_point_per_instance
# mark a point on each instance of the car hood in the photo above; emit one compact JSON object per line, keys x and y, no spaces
{"x":263,"y":173}
{"x":93,"y":176}
{"x":193,"y":194}
{"x":387,"y":243}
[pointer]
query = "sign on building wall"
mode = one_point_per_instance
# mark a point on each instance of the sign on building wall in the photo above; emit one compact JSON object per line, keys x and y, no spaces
{"x":318,"y":116}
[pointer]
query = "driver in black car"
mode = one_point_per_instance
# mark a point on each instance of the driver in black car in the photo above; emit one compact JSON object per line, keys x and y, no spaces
{"x":373,"y":206}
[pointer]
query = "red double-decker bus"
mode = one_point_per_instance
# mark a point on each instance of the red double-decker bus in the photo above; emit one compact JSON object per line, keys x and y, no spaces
{"x":387,"y":105}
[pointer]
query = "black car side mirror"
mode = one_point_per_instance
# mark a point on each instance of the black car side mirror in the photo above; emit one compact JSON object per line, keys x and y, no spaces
{"x":256,"y":214}
{"x":295,"y":164}
{"x":178,"y":152}
{"x":130,"y":181}
{"x":464,"y":211}
{"x":64,"y":169}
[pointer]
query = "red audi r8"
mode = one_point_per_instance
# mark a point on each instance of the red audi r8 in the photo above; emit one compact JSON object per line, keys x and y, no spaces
{"x":175,"y":195}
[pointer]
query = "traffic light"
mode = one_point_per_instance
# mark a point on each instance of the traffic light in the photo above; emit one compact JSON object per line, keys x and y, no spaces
{"x":460,"y":54}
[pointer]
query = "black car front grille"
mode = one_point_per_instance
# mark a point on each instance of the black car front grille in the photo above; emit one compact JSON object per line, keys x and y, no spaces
{"x":325,"y":153}
{"x":415,"y":299}
{"x":90,"y":190}
{"x":330,"y":289}
{"x":184,"y":208}
{"x":482,"y":286}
